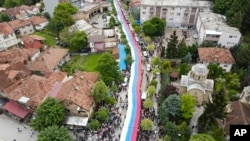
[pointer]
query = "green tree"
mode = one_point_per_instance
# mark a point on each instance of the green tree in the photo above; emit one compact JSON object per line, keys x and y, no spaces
{"x":100,"y":92}
{"x":12,"y":3}
{"x":214,"y":70}
{"x":109,"y":70}
{"x":151,"y":91}
{"x":147,"y":39}
{"x":55,"y":27}
{"x":112,"y":22}
{"x":63,"y":14}
{"x":94,"y":124}
{"x":171,"y":105}
{"x":49,"y":113}
{"x":102,"y":114}
{"x":4,"y":17}
{"x":243,"y":56}
{"x":129,"y":60}
{"x":167,"y":138}
{"x":184,"y":131}
{"x":166,"y":66}
{"x":155,"y":71}
{"x":234,"y":81}
{"x":172,"y":51}
{"x":127,"y":49}
{"x":78,"y":41}
{"x":66,"y":35}
{"x":150,"y":48}
{"x":184,"y":68}
{"x":201,"y":137}
{"x":148,"y":103}
{"x":187,"y":106}
{"x":137,"y":29}
{"x":146,"y":124}
{"x":217,"y":134}
{"x":171,"y":130}
{"x":54,"y":133}
{"x":160,"y":25}
{"x":156,"y":61}
{"x":182,"y":48}
{"x":154,"y":82}
{"x":148,"y":29}
{"x":2,"y":3}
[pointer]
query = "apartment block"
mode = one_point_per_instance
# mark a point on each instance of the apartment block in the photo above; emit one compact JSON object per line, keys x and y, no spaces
{"x":177,"y":13}
{"x":212,"y":27}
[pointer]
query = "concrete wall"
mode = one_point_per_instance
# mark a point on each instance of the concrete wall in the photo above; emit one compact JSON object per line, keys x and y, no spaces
{"x":229,"y":39}
{"x":5,"y":43}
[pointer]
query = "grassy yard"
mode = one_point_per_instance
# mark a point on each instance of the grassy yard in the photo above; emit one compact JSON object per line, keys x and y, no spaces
{"x":82,"y":63}
{"x":50,"y":41}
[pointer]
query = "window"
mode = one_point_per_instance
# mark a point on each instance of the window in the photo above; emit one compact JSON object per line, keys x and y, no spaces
{"x":235,"y":36}
{"x":164,"y":9}
{"x":151,"y":13}
{"x":143,"y":12}
{"x":144,"y":7}
{"x":171,"y":19}
{"x":230,"y":36}
{"x":178,"y":14}
{"x":186,"y":14}
{"x":5,"y":36}
{"x":225,"y":66}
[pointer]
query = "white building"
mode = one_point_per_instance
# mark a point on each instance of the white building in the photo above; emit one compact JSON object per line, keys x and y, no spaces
{"x":7,"y":36}
{"x":22,"y":27}
{"x":220,"y":56}
{"x":212,"y":27}
{"x":197,"y":84}
{"x":177,"y":13}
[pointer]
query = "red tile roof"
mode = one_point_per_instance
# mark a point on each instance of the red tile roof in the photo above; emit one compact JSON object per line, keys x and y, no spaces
{"x":5,"y":28}
{"x":48,"y":60}
{"x":16,"y":24}
{"x":16,"y":109}
{"x":78,"y":89}
{"x":35,"y":20}
{"x":17,"y":55}
{"x":216,"y":55}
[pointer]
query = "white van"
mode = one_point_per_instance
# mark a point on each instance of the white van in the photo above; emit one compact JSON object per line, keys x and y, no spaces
{"x":125,"y":82}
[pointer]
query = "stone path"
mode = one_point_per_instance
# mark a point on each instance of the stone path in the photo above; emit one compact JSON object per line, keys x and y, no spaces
{"x":194,"y":121}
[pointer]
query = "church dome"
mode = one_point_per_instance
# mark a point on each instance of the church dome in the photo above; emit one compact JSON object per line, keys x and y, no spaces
{"x":200,"y":69}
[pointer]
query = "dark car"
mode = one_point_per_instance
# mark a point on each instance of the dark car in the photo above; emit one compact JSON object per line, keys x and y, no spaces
{"x":94,"y":23}
{"x":84,"y":50}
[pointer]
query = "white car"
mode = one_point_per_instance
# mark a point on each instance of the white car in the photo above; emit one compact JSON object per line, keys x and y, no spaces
{"x":125,"y":82}
{"x":145,"y":54}
{"x":148,"y":67}
{"x":137,"y":39}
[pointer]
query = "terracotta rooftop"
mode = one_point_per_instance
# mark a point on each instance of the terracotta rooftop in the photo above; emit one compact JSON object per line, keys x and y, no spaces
{"x":240,"y":115}
{"x":29,"y":39}
{"x":5,"y":28}
{"x":216,"y":55}
{"x":18,"y":9}
{"x":78,"y":89}
{"x":7,"y":76}
{"x":17,"y":55}
{"x":33,"y":88}
{"x":48,"y":60}
{"x":35,"y":20}
{"x":16,"y":24}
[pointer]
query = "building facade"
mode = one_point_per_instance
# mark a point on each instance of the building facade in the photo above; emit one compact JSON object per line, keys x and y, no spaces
{"x":7,"y":36}
{"x":212,"y":27}
{"x":177,"y":13}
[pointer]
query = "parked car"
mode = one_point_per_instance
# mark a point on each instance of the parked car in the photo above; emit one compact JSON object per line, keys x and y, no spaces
{"x":125,"y":82}
{"x":94,"y":23}
{"x":137,"y":39}
{"x":84,"y":50}
{"x":145,"y":53}
{"x":148,"y":67}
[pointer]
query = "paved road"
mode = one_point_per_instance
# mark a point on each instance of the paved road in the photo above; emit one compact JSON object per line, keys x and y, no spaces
{"x":8,"y":130}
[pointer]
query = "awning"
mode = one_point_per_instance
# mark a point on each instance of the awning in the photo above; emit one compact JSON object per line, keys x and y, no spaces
{"x":77,"y":121}
{"x":16,"y":109}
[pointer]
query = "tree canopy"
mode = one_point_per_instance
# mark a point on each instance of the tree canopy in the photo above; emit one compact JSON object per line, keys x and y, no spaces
{"x":109,"y":70}
{"x":236,"y":12}
{"x":100,"y":92}
{"x":78,"y":41}
{"x":54,"y":133}
{"x":49,"y":113}
{"x":4,"y":17}
{"x":148,"y":103}
{"x":172,"y":105}
{"x":172,"y":50}
{"x":187,"y":105}
{"x":147,"y":124}
{"x":154,"y":27}
{"x":64,"y":10}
